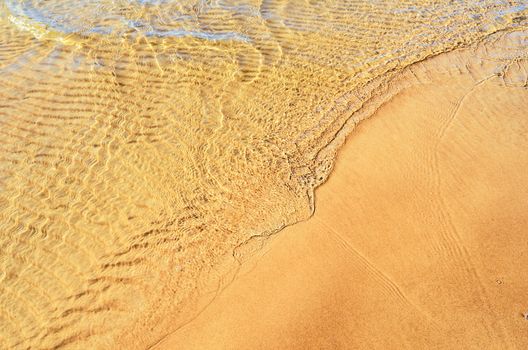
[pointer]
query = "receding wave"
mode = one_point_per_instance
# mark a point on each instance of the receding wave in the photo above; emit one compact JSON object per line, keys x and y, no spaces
{"x":145,"y":143}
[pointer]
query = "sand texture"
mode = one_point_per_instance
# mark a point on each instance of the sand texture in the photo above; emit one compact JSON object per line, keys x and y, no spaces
{"x":149,"y":147}
{"x":419,"y":237}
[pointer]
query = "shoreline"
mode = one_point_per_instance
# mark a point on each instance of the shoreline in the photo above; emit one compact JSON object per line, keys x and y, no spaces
{"x":143,"y":174}
{"x":462,"y":81}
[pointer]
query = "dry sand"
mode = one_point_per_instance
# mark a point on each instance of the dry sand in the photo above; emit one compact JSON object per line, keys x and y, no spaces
{"x":419,"y":236}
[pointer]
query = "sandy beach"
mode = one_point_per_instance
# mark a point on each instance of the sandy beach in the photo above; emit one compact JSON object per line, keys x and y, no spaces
{"x":279,"y":174}
{"x":418,"y":239}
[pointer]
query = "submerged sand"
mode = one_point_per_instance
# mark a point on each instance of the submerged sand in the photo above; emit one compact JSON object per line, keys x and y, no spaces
{"x":418,"y":240}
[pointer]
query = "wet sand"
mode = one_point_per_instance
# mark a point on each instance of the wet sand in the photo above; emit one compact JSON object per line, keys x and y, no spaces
{"x":418,"y":239}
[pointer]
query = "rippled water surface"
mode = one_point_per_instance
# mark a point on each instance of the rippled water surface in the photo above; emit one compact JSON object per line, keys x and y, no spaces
{"x":142,"y":142}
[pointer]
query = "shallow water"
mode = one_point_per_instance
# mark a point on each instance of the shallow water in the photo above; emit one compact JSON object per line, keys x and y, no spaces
{"x":142,"y":142}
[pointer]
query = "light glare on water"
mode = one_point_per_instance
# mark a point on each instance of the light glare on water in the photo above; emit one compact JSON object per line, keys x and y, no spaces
{"x":142,"y":142}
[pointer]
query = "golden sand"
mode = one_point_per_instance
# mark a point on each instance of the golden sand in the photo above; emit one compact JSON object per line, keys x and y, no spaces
{"x":148,"y":147}
{"x":418,"y":240}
